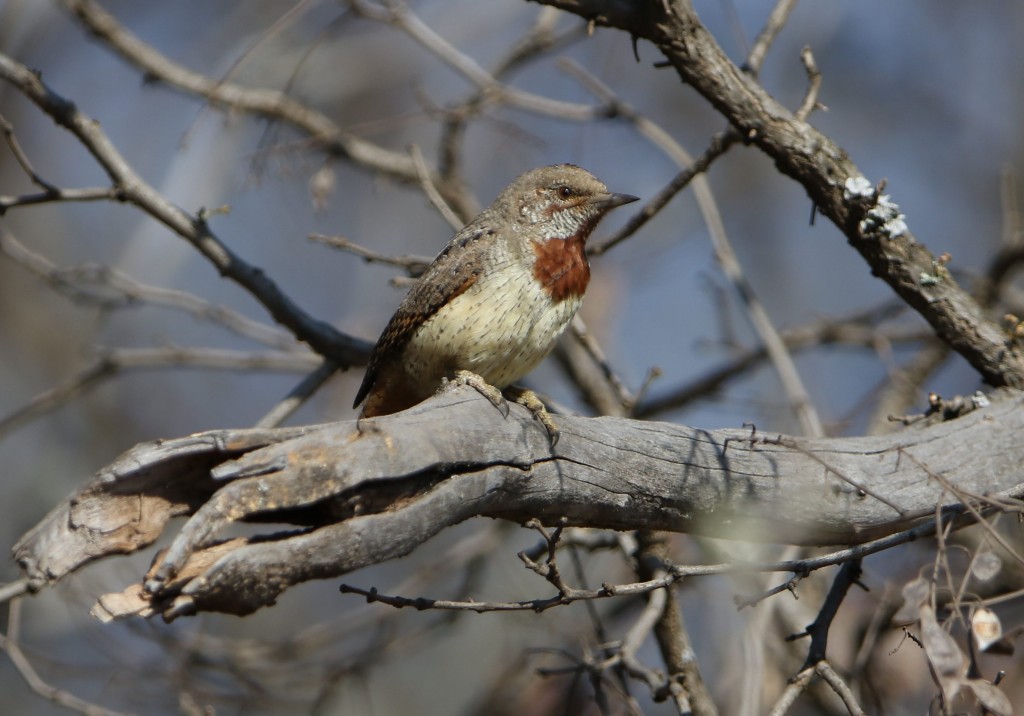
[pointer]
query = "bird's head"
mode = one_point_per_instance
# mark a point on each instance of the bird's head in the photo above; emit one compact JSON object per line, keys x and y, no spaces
{"x":560,"y":201}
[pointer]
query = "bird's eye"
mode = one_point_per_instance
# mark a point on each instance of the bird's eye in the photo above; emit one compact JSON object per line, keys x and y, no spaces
{"x":565,"y":192}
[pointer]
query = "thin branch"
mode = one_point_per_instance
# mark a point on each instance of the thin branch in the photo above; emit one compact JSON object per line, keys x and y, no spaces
{"x":858,"y":330}
{"x":1011,"y":247}
{"x":871,"y":221}
{"x":787,"y":586}
{"x":60,"y":195}
{"x":402,"y":17}
{"x":321,"y":336}
{"x":422,"y":603}
{"x":780,"y":357}
{"x":685,"y":684}
{"x":51,"y":192}
{"x":109,"y":288}
{"x":802,"y":567}
{"x":298,"y":395}
{"x":776,"y":21}
{"x":848,"y":575}
{"x":829,"y":676}
{"x":22,"y":158}
{"x":797,"y":685}
{"x":858,"y":485}
{"x":35,"y":682}
{"x":413,"y":265}
{"x":260,"y":102}
{"x":718,"y":146}
{"x":592,"y":373}
{"x":805,"y":678}
{"x":656,"y":681}
{"x":539,"y":39}
{"x":810,"y":102}
{"x":53,"y":398}
{"x":13,"y":589}
{"x":905,"y":385}
{"x":430,"y":189}
{"x":967,"y":499}
{"x":111,"y":362}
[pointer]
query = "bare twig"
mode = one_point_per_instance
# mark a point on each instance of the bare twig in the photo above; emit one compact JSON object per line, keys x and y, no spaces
{"x":829,"y":676}
{"x":848,"y":575}
{"x":113,"y":361}
{"x":109,"y":288}
{"x":9,"y":645}
{"x":859,"y":329}
{"x":718,"y":146}
{"x":967,"y":499}
{"x":606,"y":381}
{"x":871,"y":221}
{"x":776,"y":21}
{"x":859,"y":486}
{"x":727,"y":259}
{"x":51,"y":192}
{"x":260,"y":102}
{"x":958,"y":515}
{"x":797,"y":685}
{"x":59,"y":195}
{"x":22,"y":158}
{"x":327,"y":341}
{"x":685,"y":684}
{"x":905,"y":385}
{"x":787,"y":586}
{"x":402,"y":17}
{"x":803,"y":680}
{"x":810,"y":102}
{"x":430,"y":189}
{"x":414,"y":265}
{"x":634,"y":639}
{"x":13,"y":589}
{"x":298,"y":395}
{"x":539,"y":39}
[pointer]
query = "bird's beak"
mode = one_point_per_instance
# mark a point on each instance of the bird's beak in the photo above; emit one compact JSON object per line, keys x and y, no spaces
{"x":610,"y":201}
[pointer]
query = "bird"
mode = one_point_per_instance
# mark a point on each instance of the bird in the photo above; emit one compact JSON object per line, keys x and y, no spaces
{"x":492,"y":304}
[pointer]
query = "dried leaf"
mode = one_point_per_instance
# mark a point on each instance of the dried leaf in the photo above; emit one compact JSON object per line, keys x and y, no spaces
{"x":944,"y":653}
{"x":132,"y":602}
{"x":321,"y":187}
{"x":986,"y":566}
{"x":915,"y":593}
{"x":991,"y":697}
{"x":986,"y":628}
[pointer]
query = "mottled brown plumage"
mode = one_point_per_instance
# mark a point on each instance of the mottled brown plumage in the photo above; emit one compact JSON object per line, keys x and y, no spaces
{"x":498,"y":295}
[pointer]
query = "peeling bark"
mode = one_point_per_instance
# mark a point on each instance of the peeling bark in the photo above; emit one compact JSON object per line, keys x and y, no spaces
{"x":362,"y":494}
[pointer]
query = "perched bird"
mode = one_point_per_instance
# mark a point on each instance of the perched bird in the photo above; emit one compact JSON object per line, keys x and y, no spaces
{"x":493,"y":302}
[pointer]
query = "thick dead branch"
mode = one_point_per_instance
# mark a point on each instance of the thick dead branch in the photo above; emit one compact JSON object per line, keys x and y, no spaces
{"x":870,"y":220}
{"x":373,"y":491}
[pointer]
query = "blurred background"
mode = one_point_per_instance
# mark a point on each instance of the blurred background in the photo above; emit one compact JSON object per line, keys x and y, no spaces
{"x":926,"y":96}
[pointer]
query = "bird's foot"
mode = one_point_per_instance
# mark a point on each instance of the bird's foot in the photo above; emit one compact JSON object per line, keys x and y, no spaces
{"x":467,"y":377}
{"x":529,"y":400}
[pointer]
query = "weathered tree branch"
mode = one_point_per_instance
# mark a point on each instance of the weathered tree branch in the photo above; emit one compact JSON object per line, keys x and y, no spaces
{"x":870,"y":221}
{"x":374,"y":491}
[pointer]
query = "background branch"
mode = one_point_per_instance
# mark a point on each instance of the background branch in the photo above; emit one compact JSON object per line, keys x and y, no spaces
{"x":869,"y":220}
{"x":385,"y":122}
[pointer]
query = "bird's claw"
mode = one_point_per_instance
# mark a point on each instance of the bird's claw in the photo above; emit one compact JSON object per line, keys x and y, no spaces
{"x":529,"y":400}
{"x":467,"y":377}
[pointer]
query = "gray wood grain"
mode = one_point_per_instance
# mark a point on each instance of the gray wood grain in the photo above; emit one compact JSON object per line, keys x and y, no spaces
{"x":371,"y":492}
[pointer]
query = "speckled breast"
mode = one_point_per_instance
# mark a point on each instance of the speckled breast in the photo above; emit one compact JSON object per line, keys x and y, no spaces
{"x":500,"y":328}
